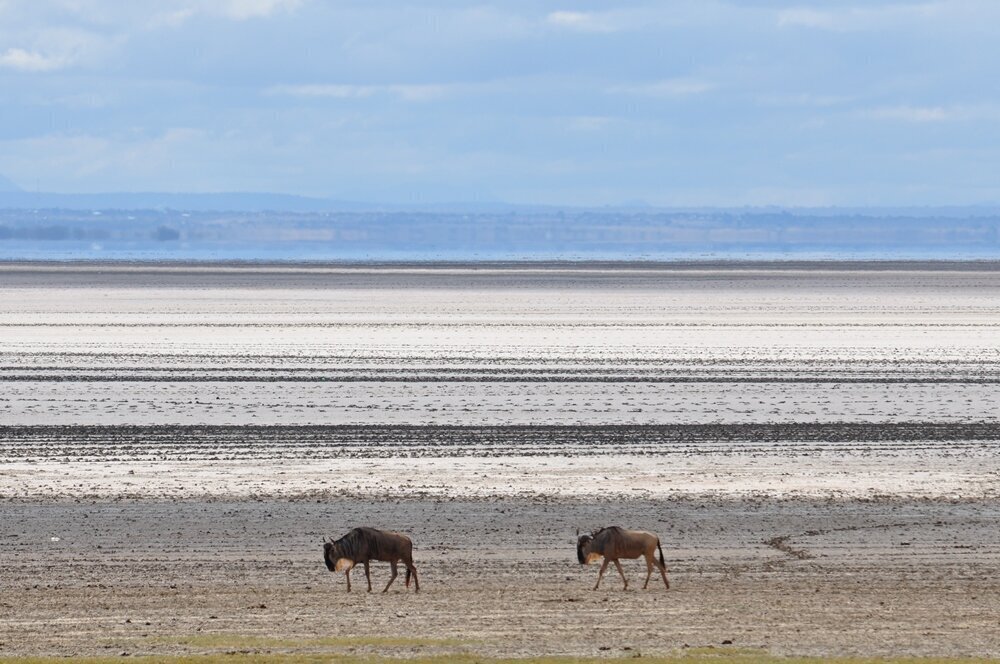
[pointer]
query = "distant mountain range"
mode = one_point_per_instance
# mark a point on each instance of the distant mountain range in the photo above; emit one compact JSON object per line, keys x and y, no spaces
{"x":13,"y":198}
{"x":240,"y":202}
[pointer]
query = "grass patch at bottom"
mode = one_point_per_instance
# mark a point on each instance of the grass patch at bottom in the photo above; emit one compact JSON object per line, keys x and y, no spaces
{"x":243,"y":642}
{"x":720,"y":657}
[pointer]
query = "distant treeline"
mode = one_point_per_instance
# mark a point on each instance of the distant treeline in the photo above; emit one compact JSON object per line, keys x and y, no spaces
{"x":515,"y":233}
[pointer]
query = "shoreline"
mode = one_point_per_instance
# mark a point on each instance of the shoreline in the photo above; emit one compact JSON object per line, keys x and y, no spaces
{"x":541,"y":265}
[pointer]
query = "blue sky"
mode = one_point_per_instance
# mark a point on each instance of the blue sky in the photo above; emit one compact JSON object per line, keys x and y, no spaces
{"x":576,"y":103}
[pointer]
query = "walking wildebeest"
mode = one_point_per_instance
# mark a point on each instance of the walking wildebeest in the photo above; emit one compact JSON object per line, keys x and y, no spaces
{"x":362,"y":545}
{"x":613,"y":543}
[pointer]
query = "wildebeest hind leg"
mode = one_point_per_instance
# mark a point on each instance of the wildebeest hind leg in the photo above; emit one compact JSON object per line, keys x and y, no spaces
{"x":392,"y":578}
{"x":368,"y":576}
{"x":412,"y":569}
{"x":649,"y":570}
{"x":600,"y":574}
{"x":620,"y":571}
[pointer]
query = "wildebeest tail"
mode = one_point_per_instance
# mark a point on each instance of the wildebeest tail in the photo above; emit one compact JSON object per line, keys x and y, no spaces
{"x":660,"y":548}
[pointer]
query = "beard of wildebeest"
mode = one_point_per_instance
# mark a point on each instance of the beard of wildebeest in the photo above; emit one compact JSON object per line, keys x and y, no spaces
{"x":326,"y":555}
{"x":581,"y":545}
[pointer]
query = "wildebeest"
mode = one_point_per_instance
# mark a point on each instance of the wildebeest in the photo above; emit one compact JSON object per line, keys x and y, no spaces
{"x":362,"y":545}
{"x":613,"y":543}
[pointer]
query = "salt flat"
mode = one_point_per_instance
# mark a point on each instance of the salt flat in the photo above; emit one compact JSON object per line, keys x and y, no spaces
{"x":575,"y":345}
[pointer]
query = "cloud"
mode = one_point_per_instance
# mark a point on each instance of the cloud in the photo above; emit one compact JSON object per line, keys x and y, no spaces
{"x":671,"y":87}
{"x":171,"y":19}
{"x":582,"y":21}
{"x":22,"y":60}
{"x":923,"y":114}
{"x":242,"y":10}
{"x":961,"y":13}
{"x":805,"y":99}
{"x":808,"y":18}
{"x":406,"y":92}
{"x":55,"y":48}
{"x":911,"y":113}
{"x":236,"y":10}
{"x":629,"y":17}
{"x":132,"y":157}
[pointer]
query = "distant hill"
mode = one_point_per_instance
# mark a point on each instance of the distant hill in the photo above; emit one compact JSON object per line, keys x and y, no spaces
{"x":14,"y":198}
{"x":237,"y":202}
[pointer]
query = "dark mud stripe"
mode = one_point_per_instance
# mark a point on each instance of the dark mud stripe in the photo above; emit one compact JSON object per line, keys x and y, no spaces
{"x":119,"y":376}
{"x":652,"y":434}
{"x":241,"y":443}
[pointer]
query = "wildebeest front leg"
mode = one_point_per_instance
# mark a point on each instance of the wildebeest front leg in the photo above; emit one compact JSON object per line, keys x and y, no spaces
{"x":600,"y":574}
{"x":620,"y":571}
{"x":392,"y":566}
{"x":347,"y":575}
{"x":368,"y":576}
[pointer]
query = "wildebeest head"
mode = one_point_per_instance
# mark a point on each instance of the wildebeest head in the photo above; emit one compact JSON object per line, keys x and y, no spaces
{"x":329,"y":555}
{"x":582,"y":548}
{"x":333,"y":556}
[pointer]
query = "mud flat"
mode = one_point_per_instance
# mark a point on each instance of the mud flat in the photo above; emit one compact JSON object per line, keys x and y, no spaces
{"x":837,"y":461}
{"x":817,"y":445}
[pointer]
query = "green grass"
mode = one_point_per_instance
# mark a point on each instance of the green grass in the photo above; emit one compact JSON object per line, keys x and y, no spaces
{"x":691,"y":656}
{"x":248,"y":642}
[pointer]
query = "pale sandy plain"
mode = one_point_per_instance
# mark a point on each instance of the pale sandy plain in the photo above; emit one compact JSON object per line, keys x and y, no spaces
{"x":816,"y":444}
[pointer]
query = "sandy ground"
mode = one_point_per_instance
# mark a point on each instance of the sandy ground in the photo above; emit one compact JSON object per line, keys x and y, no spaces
{"x":893,"y":577}
{"x":819,"y":450}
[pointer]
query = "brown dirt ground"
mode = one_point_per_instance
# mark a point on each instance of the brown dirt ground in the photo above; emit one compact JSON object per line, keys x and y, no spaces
{"x":815,"y":577}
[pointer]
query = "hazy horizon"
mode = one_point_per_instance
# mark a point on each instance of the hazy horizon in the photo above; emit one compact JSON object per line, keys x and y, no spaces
{"x":316,"y":234}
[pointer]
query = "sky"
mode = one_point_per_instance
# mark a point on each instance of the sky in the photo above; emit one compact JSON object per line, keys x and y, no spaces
{"x":586,"y":102}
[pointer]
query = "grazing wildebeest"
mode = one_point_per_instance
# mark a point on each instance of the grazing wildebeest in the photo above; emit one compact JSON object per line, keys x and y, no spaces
{"x":362,"y":545}
{"x":613,"y":543}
